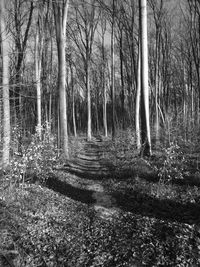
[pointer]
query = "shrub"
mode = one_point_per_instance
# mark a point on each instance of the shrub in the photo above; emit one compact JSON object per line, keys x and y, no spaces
{"x":173,"y":165}
{"x":37,"y":158}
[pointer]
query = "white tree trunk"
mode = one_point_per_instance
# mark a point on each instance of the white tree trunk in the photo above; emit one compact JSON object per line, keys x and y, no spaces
{"x":113,"y":70}
{"x":103,"y":27}
{"x":105,"y":109}
{"x":5,"y":80}
{"x":60,"y":14}
{"x":38,"y":60}
{"x":145,"y":131}
{"x":73,"y":102}
{"x":89,"y":120}
{"x":137,"y":104}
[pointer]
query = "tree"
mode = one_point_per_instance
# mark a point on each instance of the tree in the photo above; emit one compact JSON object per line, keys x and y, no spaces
{"x":194,"y":37}
{"x":82,"y":33}
{"x":144,"y":111}
{"x":103,"y":69}
{"x":130,"y":37}
{"x":60,"y":15}
{"x":137,"y":103}
{"x":39,"y":39}
{"x":5,"y":81}
{"x":22,"y":23}
{"x":73,"y":97}
{"x":41,"y":51}
{"x":113,"y":69}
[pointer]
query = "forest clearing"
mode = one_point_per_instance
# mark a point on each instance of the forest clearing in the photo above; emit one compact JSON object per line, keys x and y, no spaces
{"x":99,"y":133}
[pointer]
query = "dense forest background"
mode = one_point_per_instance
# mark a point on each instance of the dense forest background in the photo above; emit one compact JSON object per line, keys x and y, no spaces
{"x":101,"y":60}
{"x":99,"y":133}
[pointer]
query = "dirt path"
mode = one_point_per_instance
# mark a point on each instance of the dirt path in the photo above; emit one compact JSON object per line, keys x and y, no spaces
{"x":105,"y":204}
{"x":87,"y":191}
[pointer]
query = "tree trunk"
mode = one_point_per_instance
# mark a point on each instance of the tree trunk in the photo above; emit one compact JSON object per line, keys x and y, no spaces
{"x":122,"y":80}
{"x":138,"y":99}
{"x":113,"y":71}
{"x":62,"y":96}
{"x":38,"y":55}
{"x":60,"y":14}
{"x":50,"y":108}
{"x":5,"y":81}
{"x":105,"y":109}
{"x":20,"y":43}
{"x":104,"y":79}
{"x":73,"y":101}
{"x":145,"y":124}
{"x":89,"y":119}
{"x":97,"y":110}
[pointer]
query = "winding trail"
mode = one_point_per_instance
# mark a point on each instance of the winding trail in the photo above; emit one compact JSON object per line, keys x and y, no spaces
{"x":92,"y":163}
{"x":81,"y":179}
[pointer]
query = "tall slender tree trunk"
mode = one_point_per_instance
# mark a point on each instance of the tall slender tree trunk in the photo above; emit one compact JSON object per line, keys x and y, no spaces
{"x":89,"y":118}
{"x":104,"y":81}
{"x":122,"y":80}
{"x":113,"y":70}
{"x":5,"y":81}
{"x":105,"y":109}
{"x":20,"y":43}
{"x":97,"y":110}
{"x":60,"y":14}
{"x":50,"y":90}
{"x":73,"y":101}
{"x":38,"y":60}
{"x":157,"y":85}
{"x":137,"y":104}
{"x":62,"y":96}
{"x":73,"y":113}
{"x":145,"y":123}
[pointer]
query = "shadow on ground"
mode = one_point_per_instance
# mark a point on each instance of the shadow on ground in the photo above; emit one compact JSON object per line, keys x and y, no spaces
{"x":134,"y":202}
{"x":75,"y":193}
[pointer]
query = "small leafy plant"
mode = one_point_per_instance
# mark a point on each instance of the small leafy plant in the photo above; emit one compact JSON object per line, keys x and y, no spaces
{"x":37,"y":158}
{"x":172,"y":167}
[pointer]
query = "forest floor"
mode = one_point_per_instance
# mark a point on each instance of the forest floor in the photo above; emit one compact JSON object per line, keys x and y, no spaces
{"x":135,"y":218}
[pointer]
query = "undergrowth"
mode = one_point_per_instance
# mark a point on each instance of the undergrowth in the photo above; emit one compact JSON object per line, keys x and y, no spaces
{"x":40,"y":227}
{"x":36,"y":159}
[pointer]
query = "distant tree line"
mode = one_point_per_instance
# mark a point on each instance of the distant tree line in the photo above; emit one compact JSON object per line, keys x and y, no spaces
{"x":94,"y":66}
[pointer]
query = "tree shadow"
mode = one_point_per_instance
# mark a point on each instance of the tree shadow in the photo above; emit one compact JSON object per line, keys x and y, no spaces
{"x":75,"y":193}
{"x":163,"y":209}
{"x":134,"y":202}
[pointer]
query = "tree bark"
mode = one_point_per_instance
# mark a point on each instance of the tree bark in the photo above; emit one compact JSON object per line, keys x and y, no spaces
{"x":122,"y":79}
{"x":145,"y":124}
{"x":103,"y":27}
{"x":113,"y":70}
{"x":138,"y":99}
{"x":5,"y":81}
{"x":21,"y":48}
{"x":38,"y":60}
{"x":89,"y":119}
{"x":73,"y":101}
{"x":60,"y":15}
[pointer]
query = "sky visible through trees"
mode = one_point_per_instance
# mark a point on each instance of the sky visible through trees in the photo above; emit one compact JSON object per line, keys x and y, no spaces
{"x":100,"y":93}
{"x":99,"y":133}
